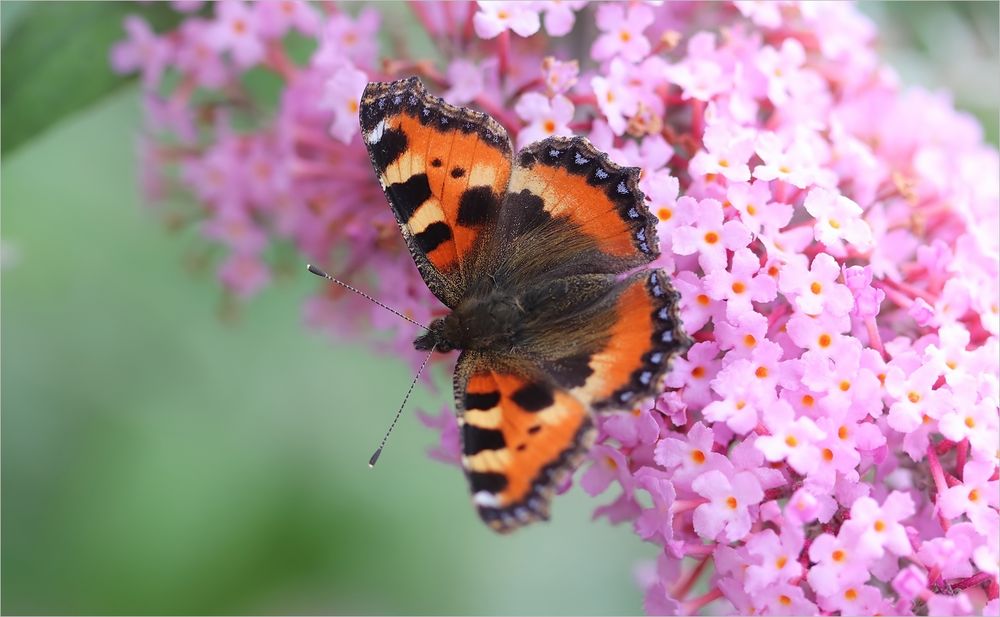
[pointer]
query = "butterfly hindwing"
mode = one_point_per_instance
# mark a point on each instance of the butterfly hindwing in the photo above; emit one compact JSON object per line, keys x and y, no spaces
{"x":521,"y":436}
{"x":444,"y":170}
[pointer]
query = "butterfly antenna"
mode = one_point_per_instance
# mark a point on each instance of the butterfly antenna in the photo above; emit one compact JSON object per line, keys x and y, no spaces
{"x":378,"y":451}
{"x":319,"y":272}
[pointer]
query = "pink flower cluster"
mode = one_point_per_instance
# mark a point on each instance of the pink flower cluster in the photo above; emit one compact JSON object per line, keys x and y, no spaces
{"x":830,"y":443}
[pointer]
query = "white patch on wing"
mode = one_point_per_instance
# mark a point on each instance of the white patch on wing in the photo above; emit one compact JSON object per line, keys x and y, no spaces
{"x":484,"y":498}
{"x":375,"y":135}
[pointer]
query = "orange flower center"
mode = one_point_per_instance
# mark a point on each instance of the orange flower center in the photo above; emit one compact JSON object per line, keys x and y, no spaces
{"x":697,"y":456}
{"x":914,"y":397}
{"x":732,"y":503}
{"x":702,"y":299}
{"x":698,"y":372}
{"x":845,"y":386}
{"x":749,"y":340}
{"x":842,"y":432}
{"x":664,"y":214}
{"x":825,"y":340}
{"x":816,"y":288}
{"x":808,"y":400}
{"x":974,"y":495}
{"x":761,"y":372}
{"x":549,"y":126}
{"x":838,"y":555}
{"x":711,"y":237}
{"x":827,"y":454}
{"x":851,"y":594}
{"x":739,"y":287}
{"x":969,"y":422}
{"x":880,"y":525}
{"x":780,"y":562}
{"x":751,"y":210}
{"x":785,"y":600}
{"x":791,"y":441}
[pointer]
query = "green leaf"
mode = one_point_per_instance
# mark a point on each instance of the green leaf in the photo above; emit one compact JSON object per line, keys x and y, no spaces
{"x":54,"y":60}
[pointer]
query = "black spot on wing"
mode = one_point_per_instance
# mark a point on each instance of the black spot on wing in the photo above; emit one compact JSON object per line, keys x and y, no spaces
{"x":481,"y":400}
{"x":488,"y":481}
{"x":528,"y":210}
{"x":388,"y":149}
{"x":407,"y":196}
{"x":571,"y":372}
{"x":475,"y":439}
{"x":477,"y":206}
{"x":533,"y":397}
{"x":457,"y":172}
{"x":433,"y":236}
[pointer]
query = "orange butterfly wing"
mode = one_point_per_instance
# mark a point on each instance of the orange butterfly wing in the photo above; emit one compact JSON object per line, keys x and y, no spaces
{"x":444,"y":170}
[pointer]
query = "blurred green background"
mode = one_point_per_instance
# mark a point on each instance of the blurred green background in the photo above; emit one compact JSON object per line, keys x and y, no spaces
{"x":159,"y":459}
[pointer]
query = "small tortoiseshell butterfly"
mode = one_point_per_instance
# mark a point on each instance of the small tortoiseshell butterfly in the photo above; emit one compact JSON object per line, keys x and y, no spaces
{"x":529,"y":253}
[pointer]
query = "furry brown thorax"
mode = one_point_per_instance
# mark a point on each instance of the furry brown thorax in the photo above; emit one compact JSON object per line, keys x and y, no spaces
{"x":484,"y":323}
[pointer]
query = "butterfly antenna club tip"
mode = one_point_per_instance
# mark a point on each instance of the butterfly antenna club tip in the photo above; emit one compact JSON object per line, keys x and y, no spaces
{"x":317,"y":271}
{"x":374,"y":458}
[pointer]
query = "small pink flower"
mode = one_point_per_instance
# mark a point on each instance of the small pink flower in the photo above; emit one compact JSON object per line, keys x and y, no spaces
{"x":741,"y":285}
{"x":694,"y":372}
{"x":838,"y":220}
{"x":466,"y":79}
{"x":245,"y":274}
{"x":700,"y":74}
{"x":796,"y":163}
{"x":622,"y":26}
{"x":277,"y":17}
{"x":656,"y":523}
{"x":777,"y":558}
{"x":792,"y":439}
{"x":727,"y":150}
{"x":492,"y":18}
{"x":867,"y":299}
{"x":237,"y":30}
{"x":816,"y":290}
{"x":609,"y":465}
{"x":915,"y":397}
{"x":346,"y":40}
{"x":342,"y":94}
{"x":839,"y":563}
{"x":709,"y":236}
{"x":560,"y":15}
{"x":689,"y":456}
{"x":560,"y":76}
{"x":730,"y":500}
{"x":781,"y":68}
{"x":977,"y":496}
{"x":143,"y":50}
{"x":615,"y":97}
{"x":757,"y":211}
{"x":878,"y":527}
{"x":545,"y":117}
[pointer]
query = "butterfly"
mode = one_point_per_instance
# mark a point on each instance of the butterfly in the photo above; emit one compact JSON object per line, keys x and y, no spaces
{"x":539,"y":258}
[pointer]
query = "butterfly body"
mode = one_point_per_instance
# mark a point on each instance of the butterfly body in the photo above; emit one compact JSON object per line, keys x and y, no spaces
{"x":540,"y":260}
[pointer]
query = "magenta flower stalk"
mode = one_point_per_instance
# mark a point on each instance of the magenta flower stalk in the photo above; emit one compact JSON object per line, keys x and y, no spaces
{"x":829,"y":443}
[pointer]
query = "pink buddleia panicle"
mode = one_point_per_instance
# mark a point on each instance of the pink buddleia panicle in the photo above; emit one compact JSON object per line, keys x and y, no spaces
{"x":829,"y":443}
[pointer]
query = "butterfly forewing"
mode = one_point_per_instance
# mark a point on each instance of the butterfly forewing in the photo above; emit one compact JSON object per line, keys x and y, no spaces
{"x":444,"y":170}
